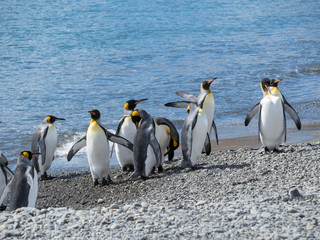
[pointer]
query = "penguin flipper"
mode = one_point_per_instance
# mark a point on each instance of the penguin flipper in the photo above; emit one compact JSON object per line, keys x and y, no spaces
{"x":120,"y":140}
{"x":38,"y":144}
{"x":156,"y":148}
{"x":215,"y":131}
{"x":82,"y":142}
{"x":4,"y":198}
{"x":284,"y":121}
{"x":178,"y":104}
{"x":7,"y":173}
{"x":188,"y":96}
{"x":117,"y":132}
{"x":293,"y":114}
{"x":251,"y":114}
{"x":207,"y":145}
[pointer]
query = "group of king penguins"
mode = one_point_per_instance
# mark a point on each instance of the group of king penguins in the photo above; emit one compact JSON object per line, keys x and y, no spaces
{"x":140,"y":141}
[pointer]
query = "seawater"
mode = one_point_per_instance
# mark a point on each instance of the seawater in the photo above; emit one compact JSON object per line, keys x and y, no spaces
{"x":67,"y":57}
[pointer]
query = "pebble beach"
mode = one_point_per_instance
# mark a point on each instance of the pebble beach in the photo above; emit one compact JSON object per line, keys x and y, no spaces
{"x":233,"y":194}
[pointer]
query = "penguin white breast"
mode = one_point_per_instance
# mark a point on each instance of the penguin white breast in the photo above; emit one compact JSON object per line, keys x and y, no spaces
{"x":163,"y":137}
{"x":208,"y":108}
{"x":33,"y":192}
{"x":128,"y":131}
{"x":150,"y":160}
{"x":51,"y":145}
{"x":199,"y":135}
{"x":271,"y":121}
{"x":97,"y":149}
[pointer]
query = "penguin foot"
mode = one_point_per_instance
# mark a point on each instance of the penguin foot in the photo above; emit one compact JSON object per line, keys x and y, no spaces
{"x":276,"y":150}
{"x":131,"y":168}
{"x":184,"y":164}
{"x":153,"y":170}
{"x":160,"y":169}
{"x":45,"y":177}
{"x":266,"y":149}
{"x":104,"y":182}
{"x":96,"y":182}
{"x":2,"y":207}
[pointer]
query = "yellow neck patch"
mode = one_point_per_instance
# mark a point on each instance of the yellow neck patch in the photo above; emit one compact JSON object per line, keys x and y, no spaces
{"x":48,"y":118}
{"x":175,"y":144}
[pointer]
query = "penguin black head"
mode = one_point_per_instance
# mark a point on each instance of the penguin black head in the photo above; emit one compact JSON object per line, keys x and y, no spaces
{"x":265,"y":83}
{"x":95,"y":114}
{"x":28,"y":154}
{"x":206,"y":84}
{"x":274,"y":82}
{"x":52,"y":119}
{"x":131,"y":104}
{"x":136,"y":118}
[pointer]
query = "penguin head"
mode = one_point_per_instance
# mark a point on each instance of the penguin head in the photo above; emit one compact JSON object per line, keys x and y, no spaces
{"x":265,"y":83}
{"x":95,"y":114}
{"x":52,"y":119}
{"x":136,"y":118}
{"x":274,"y":82}
{"x":28,"y":154}
{"x":131,"y":104}
{"x":206,"y":84}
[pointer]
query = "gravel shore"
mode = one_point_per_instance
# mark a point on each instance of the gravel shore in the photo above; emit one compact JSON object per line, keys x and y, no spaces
{"x":233,"y":194}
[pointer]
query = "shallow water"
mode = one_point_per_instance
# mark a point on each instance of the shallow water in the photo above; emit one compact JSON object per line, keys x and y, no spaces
{"x":67,"y":57}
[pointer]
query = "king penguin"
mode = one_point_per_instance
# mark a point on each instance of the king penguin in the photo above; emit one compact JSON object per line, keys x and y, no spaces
{"x":205,"y":101}
{"x":272,"y":121}
{"x":23,"y":188}
{"x":146,"y":148}
{"x":5,"y":174}
{"x":167,"y":136}
{"x":44,"y":140}
{"x":97,"y":142}
{"x":193,"y":135}
{"x":127,"y":129}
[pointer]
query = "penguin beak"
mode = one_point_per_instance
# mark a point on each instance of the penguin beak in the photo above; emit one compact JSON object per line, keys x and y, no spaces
{"x":92,"y":113}
{"x":278,"y":80}
{"x":57,"y":119}
{"x":141,"y":100}
{"x":212,"y":80}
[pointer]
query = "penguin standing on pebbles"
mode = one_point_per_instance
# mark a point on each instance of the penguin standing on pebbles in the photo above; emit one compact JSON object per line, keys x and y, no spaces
{"x":23,"y":188}
{"x":193,"y":136}
{"x":97,"y":142}
{"x":272,"y":126}
{"x":44,"y":140}
{"x":146,"y":148}
{"x":127,"y":129}
{"x":204,"y":101}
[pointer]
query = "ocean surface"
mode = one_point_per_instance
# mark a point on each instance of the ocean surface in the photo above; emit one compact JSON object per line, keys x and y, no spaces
{"x":67,"y":57}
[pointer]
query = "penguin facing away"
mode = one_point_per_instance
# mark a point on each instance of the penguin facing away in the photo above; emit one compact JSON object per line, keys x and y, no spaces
{"x":167,"y":136}
{"x":193,"y":136}
{"x":272,"y":121}
{"x":97,"y":141}
{"x":127,"y":129}
{"x":146,"y":148}
{"x":205,"y":101}
{"x":44,"y":140}
{"x":5,"y":173}
{"x":23,"y":188}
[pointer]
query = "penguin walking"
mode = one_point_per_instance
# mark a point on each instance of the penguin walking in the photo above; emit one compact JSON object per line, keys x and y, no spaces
{"x":272,"y":121}
{"x":97,"y":142}
{"x":126,"y":129}
{"x":146,"y":148}
{"x":23,"y":188}
{"x":194,"y":135}
{"x":5,"y":174}
{"x":205,"y":101}
{"x":167,"y":136}
{"x":44,"y":140}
